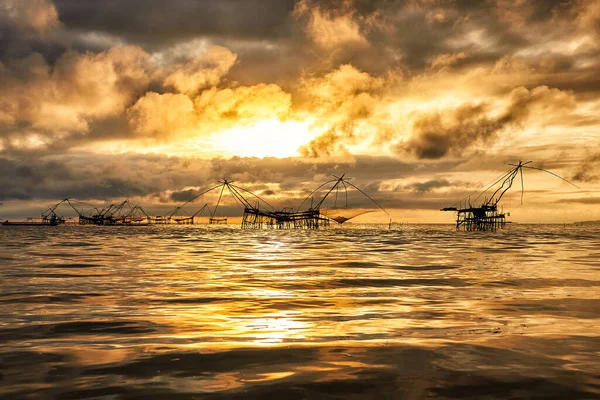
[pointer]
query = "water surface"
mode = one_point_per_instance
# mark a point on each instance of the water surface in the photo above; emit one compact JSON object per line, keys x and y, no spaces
{"x":180,"y":312}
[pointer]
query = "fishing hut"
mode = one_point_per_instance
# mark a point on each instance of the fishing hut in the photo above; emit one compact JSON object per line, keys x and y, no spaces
{"x":49,"y":218}
{"x":488,"y":216}
{"x":284,"y":219}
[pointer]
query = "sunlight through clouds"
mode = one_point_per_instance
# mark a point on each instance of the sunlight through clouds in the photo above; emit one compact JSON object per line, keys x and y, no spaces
{"x":267,"y":138}
{"x":446,"y":84}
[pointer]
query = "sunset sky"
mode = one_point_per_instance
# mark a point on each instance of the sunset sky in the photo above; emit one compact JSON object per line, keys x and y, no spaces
{"x":421,"y":102}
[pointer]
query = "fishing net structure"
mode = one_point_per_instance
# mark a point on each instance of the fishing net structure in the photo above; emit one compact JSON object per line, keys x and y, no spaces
{"x":180,"y":215}
{"x":341,"y":215}
{"x":340,"y":212}
{"x":124,"y":213}
{"x":487,"y":216}
{"x":50,"y":217}
{"x":257,"y":212}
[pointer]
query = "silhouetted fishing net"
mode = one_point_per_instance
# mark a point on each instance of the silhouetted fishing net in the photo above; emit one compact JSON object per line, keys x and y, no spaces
{"x":341,"y":215}
{"x":486,"y":215}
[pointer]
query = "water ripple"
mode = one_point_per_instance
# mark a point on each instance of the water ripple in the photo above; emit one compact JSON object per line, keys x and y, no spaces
{"x":361,"y":312}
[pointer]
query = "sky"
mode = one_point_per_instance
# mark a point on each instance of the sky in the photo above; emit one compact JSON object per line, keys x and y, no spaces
{"x":421,"y":102}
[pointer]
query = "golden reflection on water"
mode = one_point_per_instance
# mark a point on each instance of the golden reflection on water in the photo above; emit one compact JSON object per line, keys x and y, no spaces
{"x":276,"y":328}
{"x":203,"y":310}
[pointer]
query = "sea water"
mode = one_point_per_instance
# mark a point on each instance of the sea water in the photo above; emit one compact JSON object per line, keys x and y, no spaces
{"x":359,"y":312}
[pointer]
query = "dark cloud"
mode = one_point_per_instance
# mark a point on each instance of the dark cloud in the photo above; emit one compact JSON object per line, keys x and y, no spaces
{"x":29,"y":26}
{"x":399,"y":34}
{"x":159,"y":21}
{"x":14,"y":43}
{"x":470,"y":125}
{"x":89,"y":177}
{"x":587,"y":171}
{"x":409,"y":34}
{"x":430,"y":185}
{"x":184,"y":195}
{"x":296,"y":173}
{"x":435,"y":135}
{"x":160,"y":183}
{"x":581,"y":200}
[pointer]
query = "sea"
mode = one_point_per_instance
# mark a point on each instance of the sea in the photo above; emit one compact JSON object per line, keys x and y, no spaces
{"x":351,"y":312}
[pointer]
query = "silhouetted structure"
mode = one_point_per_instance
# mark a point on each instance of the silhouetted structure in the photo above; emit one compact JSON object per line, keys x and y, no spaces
{"x":180,"y":216}
{"x":124,"y":213}
{"x":258,"y":213}
{"x":344,"y":213}
{"x":49,"y":218}
{"x":488,"y":217}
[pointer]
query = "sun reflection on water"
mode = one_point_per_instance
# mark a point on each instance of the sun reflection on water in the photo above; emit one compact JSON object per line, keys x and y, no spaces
{"x":224,"y":311}
{"x":276,"y":328}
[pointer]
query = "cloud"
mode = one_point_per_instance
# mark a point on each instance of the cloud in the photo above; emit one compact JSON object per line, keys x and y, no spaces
{"x":343,"y":101}
{"x":587,"y":16}
{"x":243,"y":105}
{"x":169,"y":115}
{"x":35,"y":15}
{"x":438,"y":134}
{"x":354,"y":108}
{"x":88,"y":176}
{"x":162,"y":115}
{"x":44,"y":104}
{"x":183,"y":196}
{"x":587,"y":170}
{"x":331,"y":28}
{"x":447,"y":60}
{"x":30,"y":26}
{"x":160,"y":183}
{"x":78,"y":89}
{"x":155,"y":23}
{"x":432,"y":185}
{"x":582,"y":200}
{"x":106,"y":177}
{"x":204,"y":71}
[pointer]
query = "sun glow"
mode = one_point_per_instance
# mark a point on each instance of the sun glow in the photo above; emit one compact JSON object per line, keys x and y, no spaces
{"x":265,"y":138}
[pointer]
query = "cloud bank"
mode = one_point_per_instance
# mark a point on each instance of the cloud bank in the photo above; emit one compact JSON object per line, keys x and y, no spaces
{"x":422,"y":82}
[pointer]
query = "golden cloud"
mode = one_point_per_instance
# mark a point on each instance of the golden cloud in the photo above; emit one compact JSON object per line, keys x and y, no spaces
{"x":334,"y":28}
{"x":78,"y":89}
{"x":82,"y":88}
{"x":204,"y":71}
{"x":37,"y":15}
{"x":170,"y":115}
{"x":243,"y":104}
{"x":354,"y":108}
{"x":587,"y":16}
{"x":447,"y":60}
{"x":162,"y":115}
{"x":340,"y":102}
